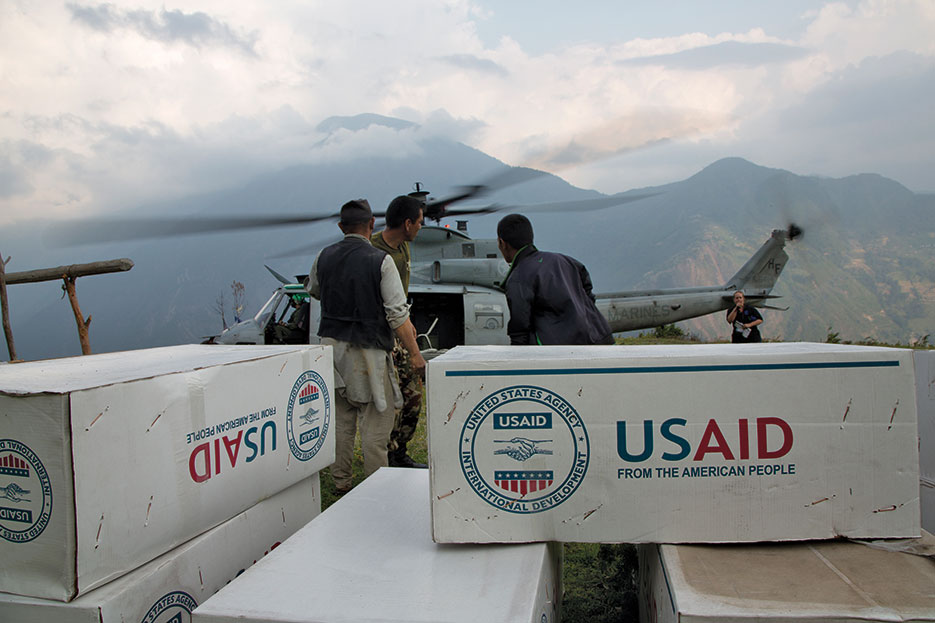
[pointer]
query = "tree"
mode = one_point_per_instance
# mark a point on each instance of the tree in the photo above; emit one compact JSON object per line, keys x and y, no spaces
{"x":239,"y":292}
{"x":219,"y":308}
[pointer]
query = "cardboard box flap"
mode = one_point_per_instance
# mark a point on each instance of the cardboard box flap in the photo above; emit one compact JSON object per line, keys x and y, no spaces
{"x":815,"y":579}
{"x":548,"y":355}
{"x":59,"y":376}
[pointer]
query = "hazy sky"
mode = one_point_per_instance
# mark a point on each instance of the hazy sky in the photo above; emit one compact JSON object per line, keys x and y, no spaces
{"x":119,"y":103}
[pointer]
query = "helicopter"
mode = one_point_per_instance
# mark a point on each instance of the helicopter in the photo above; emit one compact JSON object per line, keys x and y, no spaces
{"x":456,"y":295}
{"x":455,"y":280}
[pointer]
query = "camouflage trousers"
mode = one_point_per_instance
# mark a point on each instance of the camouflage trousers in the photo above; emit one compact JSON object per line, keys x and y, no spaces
{"x":410,"y":385}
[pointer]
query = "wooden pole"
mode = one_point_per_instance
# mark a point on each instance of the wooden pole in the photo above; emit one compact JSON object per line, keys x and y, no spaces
{"x":69,"y":274}
{"x":82,"y":323}
{"x":72,"y":270}
{"x":5,"y":309}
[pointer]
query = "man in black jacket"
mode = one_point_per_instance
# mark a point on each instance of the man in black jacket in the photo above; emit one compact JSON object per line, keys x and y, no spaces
{"x":549,"y":294}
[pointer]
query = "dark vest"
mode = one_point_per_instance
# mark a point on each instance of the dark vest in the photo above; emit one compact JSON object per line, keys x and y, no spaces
{"x":351,"y":303}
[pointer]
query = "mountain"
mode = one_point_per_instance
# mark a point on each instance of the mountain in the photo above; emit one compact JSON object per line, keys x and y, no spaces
{"x":863,"y":267}
{"x":170,"y":295}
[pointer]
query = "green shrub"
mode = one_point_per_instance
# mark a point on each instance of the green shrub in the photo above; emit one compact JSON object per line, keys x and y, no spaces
{"x":668,"y":331}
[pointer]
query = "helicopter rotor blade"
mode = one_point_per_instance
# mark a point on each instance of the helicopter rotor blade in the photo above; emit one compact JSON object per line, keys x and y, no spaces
{"x":278,"y":276}
{"x":312,"y":249}
{"x":794,"y":231}
{"x":100,"y":230}
{"x":106,"y":230}
{"x":555,"y":206}
{"x":588,"y":204}
{"x":435,"y":209}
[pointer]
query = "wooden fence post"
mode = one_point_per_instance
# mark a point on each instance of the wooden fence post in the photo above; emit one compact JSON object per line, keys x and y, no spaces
{"x":83,"y":324}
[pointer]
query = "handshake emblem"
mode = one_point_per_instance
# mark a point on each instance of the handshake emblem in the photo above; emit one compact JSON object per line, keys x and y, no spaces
{"x":522,"y":448}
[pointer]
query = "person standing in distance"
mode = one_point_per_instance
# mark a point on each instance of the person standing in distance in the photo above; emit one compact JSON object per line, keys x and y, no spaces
{"x":549,"y":294}
{"x":362,"y":306}
{"x":403,"y":222}
{"x":744,"y":320}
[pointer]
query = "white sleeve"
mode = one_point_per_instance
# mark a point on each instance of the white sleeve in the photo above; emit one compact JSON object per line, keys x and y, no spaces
{"x":394,"y":298}
{"x":313,"y":287}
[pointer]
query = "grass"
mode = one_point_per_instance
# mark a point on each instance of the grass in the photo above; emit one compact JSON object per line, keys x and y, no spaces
{"x":601,"y":583}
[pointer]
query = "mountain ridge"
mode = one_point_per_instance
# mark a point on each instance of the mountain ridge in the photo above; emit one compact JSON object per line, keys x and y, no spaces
{"x":863,"y":267}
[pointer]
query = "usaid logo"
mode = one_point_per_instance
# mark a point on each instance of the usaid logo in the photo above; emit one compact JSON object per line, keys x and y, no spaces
{"x":25,"y":493}
{"x":174,"y":607}
{"x":308,"y":416}
{"x":524,"y":449}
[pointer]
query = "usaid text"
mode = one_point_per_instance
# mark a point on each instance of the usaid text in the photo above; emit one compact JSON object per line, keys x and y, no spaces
{"x":766,"y":438}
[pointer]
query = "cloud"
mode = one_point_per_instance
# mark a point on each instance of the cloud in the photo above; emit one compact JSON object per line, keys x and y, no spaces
{"x":195,"y":29}
{"x":441,"y":123}
{"x":473,"y":63}
{"x":720,"y":54}
{"x":361,"y":122}
{"x":344,"y":145}
{"x":639,"y":130}
{"x":109,"y":105}
{"x":12,"y":177}
{"x":871,"y":117}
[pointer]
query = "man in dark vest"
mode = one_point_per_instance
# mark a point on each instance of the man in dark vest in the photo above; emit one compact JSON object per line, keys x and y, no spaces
{"x":362,"y":306}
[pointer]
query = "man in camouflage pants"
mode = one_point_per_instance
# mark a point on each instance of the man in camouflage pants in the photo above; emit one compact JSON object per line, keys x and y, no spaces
{"x":407,"y":417}
{"x":403,"y":222}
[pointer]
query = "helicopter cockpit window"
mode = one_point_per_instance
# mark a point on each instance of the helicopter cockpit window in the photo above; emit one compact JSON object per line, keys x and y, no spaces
{"x":467,"y":249}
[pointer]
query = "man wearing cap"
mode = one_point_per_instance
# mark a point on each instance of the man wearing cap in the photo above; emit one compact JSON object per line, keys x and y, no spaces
{"x":403,"y":222}
{"x":362,"y":305}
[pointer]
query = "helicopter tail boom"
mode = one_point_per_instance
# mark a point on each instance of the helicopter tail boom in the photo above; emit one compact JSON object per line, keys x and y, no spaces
{"x":758,"y":276}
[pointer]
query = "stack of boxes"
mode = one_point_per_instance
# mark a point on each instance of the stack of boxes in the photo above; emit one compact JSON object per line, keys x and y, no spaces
{"x":134,"y":485}
{"x":781,"y":443}
{"x":733,"y":467}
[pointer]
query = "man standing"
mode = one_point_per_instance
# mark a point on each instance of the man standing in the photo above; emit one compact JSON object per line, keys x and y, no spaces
{"x":549,"y":294}
{"x":403,"y":222}
{"x":362,"y":306}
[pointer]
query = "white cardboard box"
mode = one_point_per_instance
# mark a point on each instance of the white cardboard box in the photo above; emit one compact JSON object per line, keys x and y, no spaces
{"x":821,"y":582}
{"x":108,"y":461}
{"x":693,"y":443}
{"x":925,"y":397}
{"x":370,"y":557}
{"x":176,"y":582}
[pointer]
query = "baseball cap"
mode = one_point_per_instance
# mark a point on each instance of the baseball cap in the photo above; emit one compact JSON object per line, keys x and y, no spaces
{"x":355,"y":212}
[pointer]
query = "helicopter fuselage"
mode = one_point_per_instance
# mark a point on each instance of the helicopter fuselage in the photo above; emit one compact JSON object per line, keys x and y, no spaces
{"x":455,"y":290}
